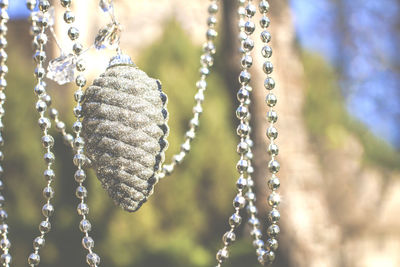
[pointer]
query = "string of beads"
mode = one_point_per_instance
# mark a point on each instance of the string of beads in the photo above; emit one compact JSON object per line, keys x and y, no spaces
{"x":206,"y":61}
{"x":5,"y":243}
{"x":39,"y":26}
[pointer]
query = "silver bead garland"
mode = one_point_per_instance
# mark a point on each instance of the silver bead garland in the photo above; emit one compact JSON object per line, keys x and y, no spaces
{"x":39,"y":25}
{"x":265,"y":251}
{"x":5,"y":244}
{"x":206,"y":62}
{"x":79,"y":159}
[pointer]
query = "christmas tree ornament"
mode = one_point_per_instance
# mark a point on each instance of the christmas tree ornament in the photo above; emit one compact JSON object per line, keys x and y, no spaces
{"x":124,"y":127}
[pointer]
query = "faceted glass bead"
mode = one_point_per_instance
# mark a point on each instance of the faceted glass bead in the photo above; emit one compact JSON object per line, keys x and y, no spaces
{"x":268,"y":67}
{"x":258,"y":243}
{"x":273,"y":230}
{"x":249,"y":27}
{"x":44,"y":227}
{"x":222,"y":255}
{"x":272,"y":244}
{"x":83,"y":209}
{"x":274,"y":166}
{"x":271,"y":100}
{"x":108,"y":37}
{"x":235,"y":220}
{"x":229,"y":238}
{"x":5,"y":243}
{"x":239,"y":202}
{"x":85,"y":226}
{"x":251,"y":10}
{"x":265,"y":36}
{"x":73,"y":33}
{"x":256,"y":233}
{"x":38,"y":242}
{"x":272,"y":133}
{"x":264,"y":22}
{"x":273,"y":149}
{"x":62,"y":69}
{"x":274,"y":199}
{"x":87,"y":242}
{"x":5,"y":259}
{"x":274,"y":216}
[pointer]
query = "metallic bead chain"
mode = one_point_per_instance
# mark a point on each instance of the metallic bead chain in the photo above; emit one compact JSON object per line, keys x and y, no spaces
{"x":79,"y":159}
{"x":246,"y":28}
{"x":273,"y":165}
{"x":206,"y":61}
{"x":5,"y":243}
{"x":40,"y":38}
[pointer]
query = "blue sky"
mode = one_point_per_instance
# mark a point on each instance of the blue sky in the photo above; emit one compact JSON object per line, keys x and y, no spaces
{"x":371,"y":88}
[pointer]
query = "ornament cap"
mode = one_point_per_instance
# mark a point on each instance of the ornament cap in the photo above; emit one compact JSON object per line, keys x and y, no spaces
{"x":121,"y":60}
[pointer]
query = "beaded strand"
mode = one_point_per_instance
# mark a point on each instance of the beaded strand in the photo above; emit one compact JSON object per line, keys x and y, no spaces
{"x":79,"y":159}
{"x":206,"y":61}
{"x":39,"y":25}
{"x":5,"y":244}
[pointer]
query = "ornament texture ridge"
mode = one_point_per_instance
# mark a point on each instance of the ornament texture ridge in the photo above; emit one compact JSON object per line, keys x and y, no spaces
{"x":125,"y":126}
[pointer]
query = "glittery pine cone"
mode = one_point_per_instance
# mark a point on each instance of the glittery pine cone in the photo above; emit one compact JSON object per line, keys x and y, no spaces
{"x":125,"y":126}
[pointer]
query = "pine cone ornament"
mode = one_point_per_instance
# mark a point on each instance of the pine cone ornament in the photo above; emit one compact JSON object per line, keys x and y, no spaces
{"x":125,"y":126}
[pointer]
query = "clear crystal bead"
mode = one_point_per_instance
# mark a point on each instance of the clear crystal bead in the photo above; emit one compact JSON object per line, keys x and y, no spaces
{"x":62,"y":69}
{"x":108,"y":37}
{"x":106,"y":5}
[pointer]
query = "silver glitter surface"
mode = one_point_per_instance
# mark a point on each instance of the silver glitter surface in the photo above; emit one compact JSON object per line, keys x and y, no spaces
{"x":125,"y":126}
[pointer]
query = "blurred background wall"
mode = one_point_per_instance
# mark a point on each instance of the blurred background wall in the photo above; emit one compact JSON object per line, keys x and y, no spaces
{"x":336,"y":68}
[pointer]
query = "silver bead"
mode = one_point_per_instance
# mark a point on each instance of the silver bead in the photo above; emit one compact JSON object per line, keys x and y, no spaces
{"x":274,"y":216}
{"x":31,"y":4}
{"x":241,"y":183}
{"x":3,"y":56}
{"x":209,"y":47}
{"x":73,"y":33}
{"x":47,"y":141}
{"x":38,"y":243}
{"x":40,"y":89}
{"x":79,"y":143}
{"x":242,"y":165}
{"x":244,"y":77}
{"x":222,"y":255}
{"x":44,"y":227}
{"x":250,"y":196}
{"x":235,"y":220}
{"x":39,"y":71}
{"x":243,"y":94}
{"x":48,"y":192}
{"x":239,"y":202}
{"x":242,"y":112}
{"x":211,"y":34}
{"x":207,"y":60}
{"x":264,"y":22}
{"x":272,"y":244}
{"x":49,"y":158}
{"x":263,"y":6}
{"x":268,"y":257}
{"x":49,"y":174}
{"x":87,"y":242}
{"x":249,"y":27}
{"x":3,"y":29}
{"x":204,"y":71}
{"x":274,"y":183}
{"x":3,"y":228}
{"x":80,"y":81}
{"x":243,"y":129}
{"x":81,"y":192}
{"x":228,"y":238}
{"x":80,"y":176}
{"x":3,"y":215}
{"x":77,"y":126}
{"x":185,"y":146}
{"x":80,"y":65}
{"x":251,"y":209}
{"x":5,"y":259}
{"x":201,"y":84}
{"x":213,"y":8}
{"x":247,"y":44}
{"x":272,"y":133}
{"x":241,"y":11}
{"x":83,"y":209}
{"x":251,"y":10}
{"x":190,"y":134}
{"x":47,"y":210}
{"x":265,"y":36}
{"x":242,"y":147}
{"x":68,"y":138}
{"x":44,"y":5}
{"x":250,"y":182}
{"x":211,"y":21}
{"x":41,"y":38}
{"x":53,"y":113}
{"x":93,"y":259}
{"x":65,"y":3}
{"x":69,"y":17}
{"x":269,"y":83}
{"x":77,"y":48}
{"x":273,"y":149}
{"x":78,"y":111}
{"x":85,"y":226}
{"x":274,"y":166}
{"x":271,"y":100}
{"x":273,"y":230}
{"x":246,"y":61}
{"x":44,"y":123}
{"x":268,"y":67}
{"x":274,"y":199}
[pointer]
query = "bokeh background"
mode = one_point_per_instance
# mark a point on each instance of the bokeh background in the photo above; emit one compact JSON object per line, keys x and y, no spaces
{"x":337,"y":73}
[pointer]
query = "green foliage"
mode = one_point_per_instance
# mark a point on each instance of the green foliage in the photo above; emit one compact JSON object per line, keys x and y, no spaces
{"x":330,"y":122}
